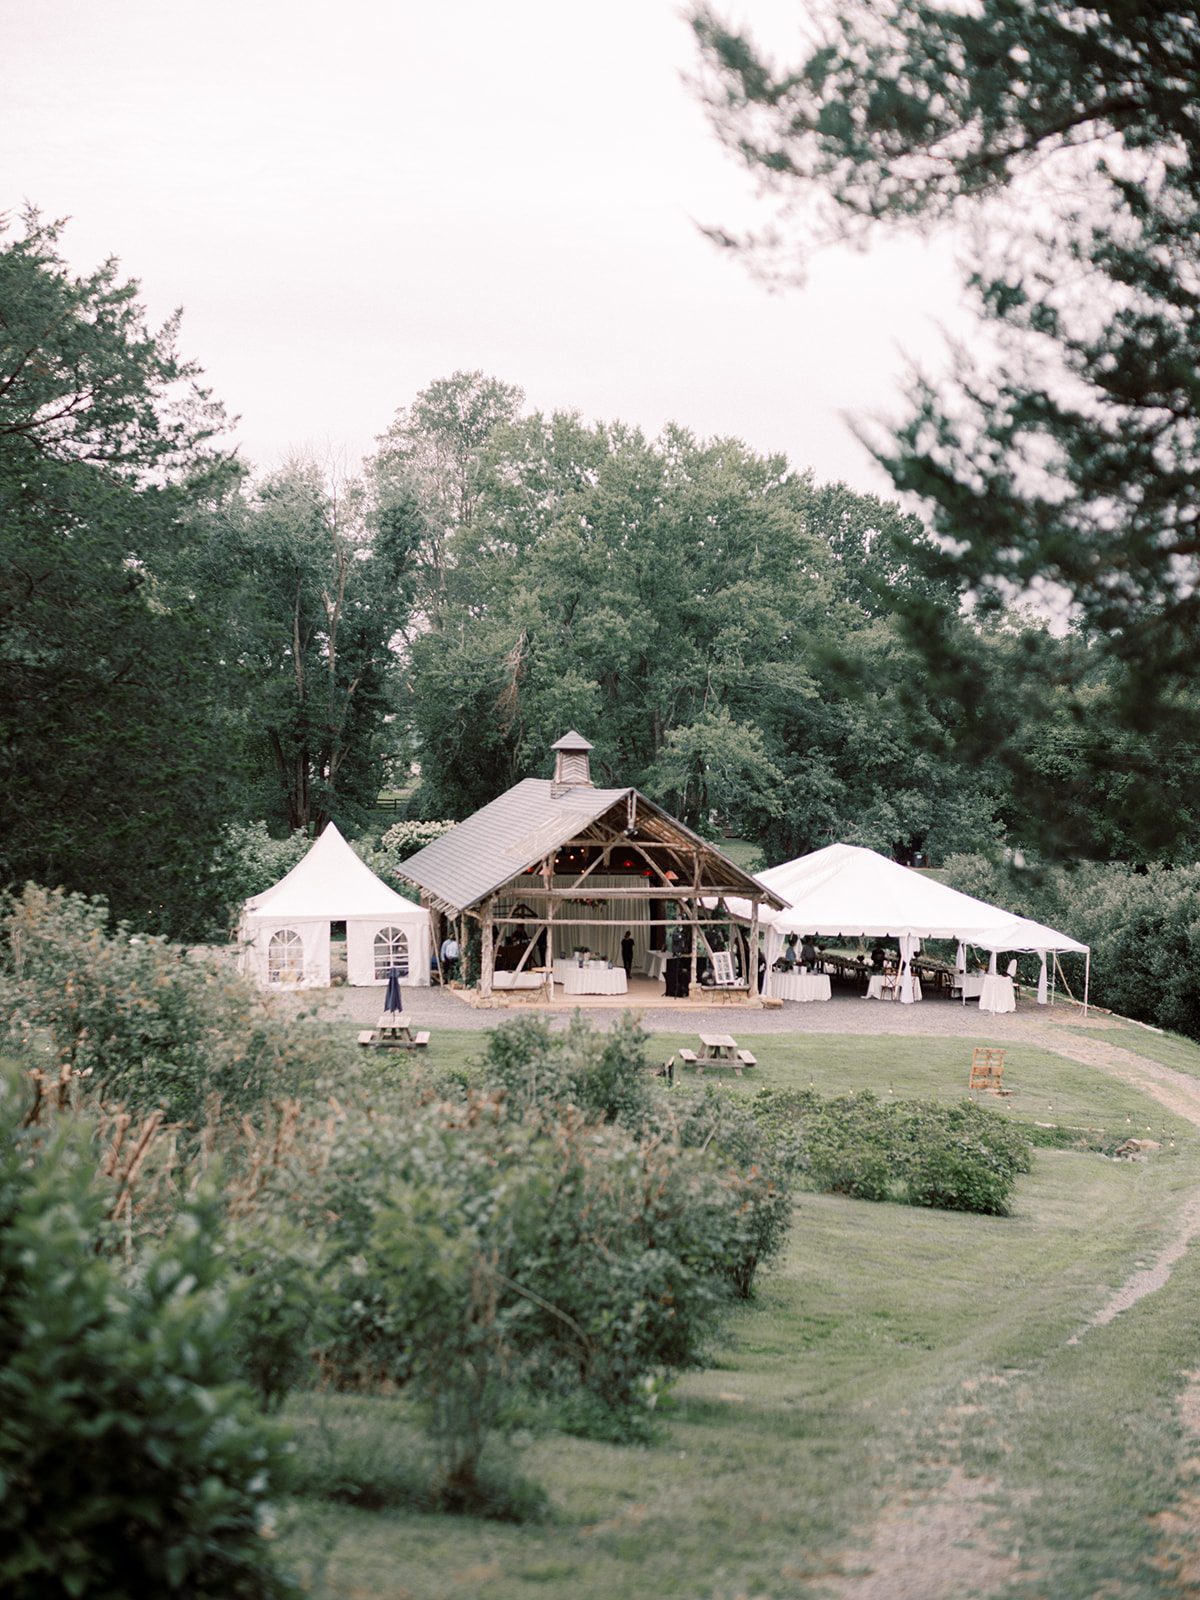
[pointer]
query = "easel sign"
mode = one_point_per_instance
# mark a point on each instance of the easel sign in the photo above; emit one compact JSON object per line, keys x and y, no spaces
{"x":723,"y":973}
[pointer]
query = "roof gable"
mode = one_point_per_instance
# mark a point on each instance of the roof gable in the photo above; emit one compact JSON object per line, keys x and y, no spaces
{"x":535,"y":818}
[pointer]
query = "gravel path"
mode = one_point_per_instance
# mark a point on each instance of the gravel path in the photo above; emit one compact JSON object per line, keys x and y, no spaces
{"x":933,"y":1017}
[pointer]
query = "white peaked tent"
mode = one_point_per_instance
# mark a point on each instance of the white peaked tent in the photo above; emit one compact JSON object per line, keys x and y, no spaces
{"x":845,"y":891}
{"x":284,"y":932}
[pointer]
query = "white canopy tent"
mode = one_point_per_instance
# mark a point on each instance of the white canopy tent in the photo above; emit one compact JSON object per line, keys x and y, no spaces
{"x":284,"y":933}
{"x":844,"y":891}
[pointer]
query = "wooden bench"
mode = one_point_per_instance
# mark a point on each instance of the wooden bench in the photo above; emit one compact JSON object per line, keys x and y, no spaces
{"x":689,"y":1057}
{"x":746,"y":1059}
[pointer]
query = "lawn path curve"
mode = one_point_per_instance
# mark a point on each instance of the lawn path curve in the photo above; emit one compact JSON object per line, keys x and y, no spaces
{"x":932,"y":1545}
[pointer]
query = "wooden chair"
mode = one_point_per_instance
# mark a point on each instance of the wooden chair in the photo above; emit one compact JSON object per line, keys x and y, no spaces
{"x":987,"y":1069}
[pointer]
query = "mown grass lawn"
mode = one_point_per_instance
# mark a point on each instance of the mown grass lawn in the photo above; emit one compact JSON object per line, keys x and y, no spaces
{"x":889,"y":1342}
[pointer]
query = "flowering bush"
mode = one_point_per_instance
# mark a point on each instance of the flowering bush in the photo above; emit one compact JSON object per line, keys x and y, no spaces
{"x":404,"y":839}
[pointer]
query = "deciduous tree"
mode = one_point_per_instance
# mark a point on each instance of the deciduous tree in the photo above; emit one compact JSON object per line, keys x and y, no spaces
{"x":113,"y":765}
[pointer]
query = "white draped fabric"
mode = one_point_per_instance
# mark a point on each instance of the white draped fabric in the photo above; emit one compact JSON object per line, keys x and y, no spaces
{"x":1041,"y":998}
{"x":909,"y":945}
{"x":801,"y":986}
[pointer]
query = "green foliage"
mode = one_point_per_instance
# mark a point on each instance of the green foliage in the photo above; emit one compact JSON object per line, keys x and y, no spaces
{"x":116,"y":776}
{"x":708,"y":616}
{"x":129,"y":1459}
{"x":603,"y":1074}
{"x":559,"y":1231}
{"x":145,"y":1023}
{"x":284,"y":1310}
{"x":309,"y":598}
{"x":1064,"y":467}
{"x":958,"y":1158}
{"x":257,"y":861}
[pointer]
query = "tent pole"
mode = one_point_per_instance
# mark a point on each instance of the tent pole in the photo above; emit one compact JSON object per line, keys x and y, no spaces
{"x":1087,"y":978}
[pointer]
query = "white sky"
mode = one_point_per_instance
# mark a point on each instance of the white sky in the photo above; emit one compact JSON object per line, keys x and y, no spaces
{"x":351,"y":200}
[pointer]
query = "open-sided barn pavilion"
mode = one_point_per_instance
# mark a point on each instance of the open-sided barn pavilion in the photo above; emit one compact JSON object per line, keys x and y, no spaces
{"x":554,"y":866}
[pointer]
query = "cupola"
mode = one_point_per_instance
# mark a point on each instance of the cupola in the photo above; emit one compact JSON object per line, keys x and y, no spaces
{"x":571,"y":767}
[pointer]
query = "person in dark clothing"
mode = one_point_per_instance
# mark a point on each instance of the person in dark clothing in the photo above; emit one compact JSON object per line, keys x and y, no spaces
{"x":627,"y":953}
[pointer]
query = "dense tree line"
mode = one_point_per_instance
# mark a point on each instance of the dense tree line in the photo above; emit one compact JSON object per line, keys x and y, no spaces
{"x":184,"y":645}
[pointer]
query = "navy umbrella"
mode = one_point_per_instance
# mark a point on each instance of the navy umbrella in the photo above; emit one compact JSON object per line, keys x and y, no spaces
{"x":393,"y":1005}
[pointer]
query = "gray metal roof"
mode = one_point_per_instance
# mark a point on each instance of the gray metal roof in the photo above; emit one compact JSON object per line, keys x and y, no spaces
{"x":535,"y":817}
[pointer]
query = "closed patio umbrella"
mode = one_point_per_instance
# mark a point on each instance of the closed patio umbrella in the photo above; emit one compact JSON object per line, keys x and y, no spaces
{"x":393,"y":1005}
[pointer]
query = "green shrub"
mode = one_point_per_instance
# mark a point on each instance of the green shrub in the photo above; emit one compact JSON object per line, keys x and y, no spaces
{"x":958,"y":1157}
{"x":143,"y":1025}
{"x":758,"y":1162}
{"x":130,"y":1460}
{"x":603,"y":1074}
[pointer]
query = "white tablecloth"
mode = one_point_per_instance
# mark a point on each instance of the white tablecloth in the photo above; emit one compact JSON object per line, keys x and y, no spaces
{"x":519,"y":980}
{"x":656,"y":963}
{"x":593,"y":980}
{"x":800,"y":986}
{"x":562,"y":964}
{"x":876,"y":990}
{"x":998,"y":993}
{"x":969,"y":984}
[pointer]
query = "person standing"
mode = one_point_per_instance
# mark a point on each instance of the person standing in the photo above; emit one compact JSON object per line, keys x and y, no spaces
{"x":449,"y":957}
{"x":627,"y":953}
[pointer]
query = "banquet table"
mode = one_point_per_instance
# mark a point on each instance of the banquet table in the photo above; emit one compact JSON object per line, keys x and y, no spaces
{"x":888,"y":988}
{"x":998,"y":993}
{"x":596,"y":977}
{"x":970,"y":983}
{"x":800,"y":986}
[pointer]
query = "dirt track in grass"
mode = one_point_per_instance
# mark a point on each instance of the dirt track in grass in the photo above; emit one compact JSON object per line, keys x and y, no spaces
{"x":933,"y":1545}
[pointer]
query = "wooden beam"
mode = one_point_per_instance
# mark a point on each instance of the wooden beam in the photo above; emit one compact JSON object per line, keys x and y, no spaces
{"x":486,"y":958}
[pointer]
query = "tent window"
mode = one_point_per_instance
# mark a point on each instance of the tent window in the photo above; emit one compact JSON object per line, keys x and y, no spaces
{"x":285,"y":957}
{"x":391,"y":950}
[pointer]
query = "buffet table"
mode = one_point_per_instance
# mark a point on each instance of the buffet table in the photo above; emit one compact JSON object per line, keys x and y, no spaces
{"x":969,"y":984}
{"x":594,"y":977}
{"x":998,"y":993}
{"x":800,"y":986}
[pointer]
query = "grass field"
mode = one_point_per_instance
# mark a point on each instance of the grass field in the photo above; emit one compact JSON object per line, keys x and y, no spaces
{"x":890,"y":1348}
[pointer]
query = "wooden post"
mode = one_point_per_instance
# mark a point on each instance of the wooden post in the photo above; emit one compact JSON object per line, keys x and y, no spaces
{"x":485,"y":947}
{"x":752,"y":957}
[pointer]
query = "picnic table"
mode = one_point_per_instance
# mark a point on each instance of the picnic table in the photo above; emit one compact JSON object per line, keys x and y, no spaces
{"x":389,"y":1035}
{"x":719,"y":1050}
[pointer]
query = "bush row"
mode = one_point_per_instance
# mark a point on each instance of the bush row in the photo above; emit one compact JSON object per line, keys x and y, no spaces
{"x":958,"y":1157}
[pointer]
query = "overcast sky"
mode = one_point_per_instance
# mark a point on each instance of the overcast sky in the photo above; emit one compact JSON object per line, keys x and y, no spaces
{"x":352,"y":200}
